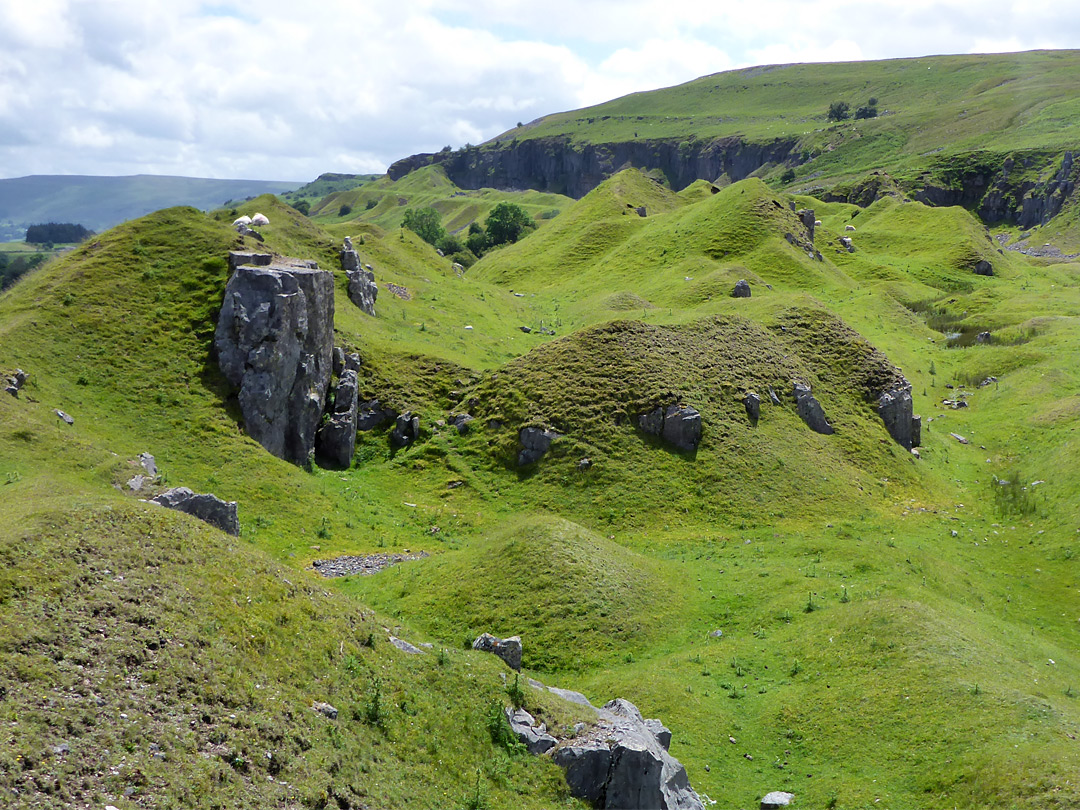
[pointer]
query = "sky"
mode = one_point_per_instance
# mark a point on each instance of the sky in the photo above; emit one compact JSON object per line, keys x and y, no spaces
{"x":287,"y":90}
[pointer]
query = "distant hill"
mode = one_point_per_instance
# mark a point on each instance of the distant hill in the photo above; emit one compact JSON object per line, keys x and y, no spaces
{"x":993,"y":133}
{"x":102,"y":202}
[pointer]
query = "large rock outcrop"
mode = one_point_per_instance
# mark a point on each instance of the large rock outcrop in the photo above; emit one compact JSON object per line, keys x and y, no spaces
{"x":362,"y":288}
{"x":274,"y":342}
{"x":896,"y":410}
{"x":810,"y":410}
{"x":557,"y":164}
{"x":678,"y":425}
{"x":336,"y":439}
{"x":622,"y":763}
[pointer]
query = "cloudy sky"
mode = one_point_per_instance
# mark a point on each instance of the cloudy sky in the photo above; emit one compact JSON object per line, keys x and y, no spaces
{"x":286,"y":90}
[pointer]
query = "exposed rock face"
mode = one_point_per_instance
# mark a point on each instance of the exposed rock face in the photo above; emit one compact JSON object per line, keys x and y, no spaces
{"x":508,"y":649}
{"x":535,"y":442}
{"x":809,"y":221}
{"x":682,"y":427}
{"x":621,"y":763}
{"x":556,"y":164}
{"x":661,"y":732}
{"x":535,"y":738}
{"x":336,"y":440}
{"x":274,"y":342}
{"x":742,"y":289}
{"x":895,"y":410}
{"x":362,"y":287}
{"x":406,"y":430}
{"x":678,"y":425}
{"x":373,"y":415}
{"x":239,"y":258}
{"x":753,"y":406}
{"x":995,"y":196}
{"x":810,"y":410}
{"x":208,"y":508}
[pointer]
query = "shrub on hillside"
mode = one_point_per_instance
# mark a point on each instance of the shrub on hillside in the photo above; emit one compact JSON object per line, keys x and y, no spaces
{"x":425,"y":223}
{"x":839,"y":111}
{"x":506,"y":223}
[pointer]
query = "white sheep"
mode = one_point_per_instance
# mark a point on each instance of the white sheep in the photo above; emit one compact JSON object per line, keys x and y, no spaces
{"x":244,"y":220}
{"x":260,"y":219}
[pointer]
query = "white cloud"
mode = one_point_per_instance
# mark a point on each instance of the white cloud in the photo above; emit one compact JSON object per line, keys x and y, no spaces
{"x":285,"y":90}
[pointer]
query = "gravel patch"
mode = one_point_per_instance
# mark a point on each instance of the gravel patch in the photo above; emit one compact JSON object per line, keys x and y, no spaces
{"x":365,"y":566}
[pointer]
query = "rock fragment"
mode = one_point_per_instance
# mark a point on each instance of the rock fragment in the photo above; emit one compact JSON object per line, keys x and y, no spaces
{"x":207,"y":508}
{"x":508,"y":649}
{"x":535,"y":443}
{"x":810,"y":410}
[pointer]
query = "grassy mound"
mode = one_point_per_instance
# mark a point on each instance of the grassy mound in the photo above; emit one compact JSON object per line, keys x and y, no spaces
{"x":578,"y":601}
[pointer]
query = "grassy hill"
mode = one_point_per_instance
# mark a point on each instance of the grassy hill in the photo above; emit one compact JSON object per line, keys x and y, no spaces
{"x":895,"y":630}
{"x":993,"y":133}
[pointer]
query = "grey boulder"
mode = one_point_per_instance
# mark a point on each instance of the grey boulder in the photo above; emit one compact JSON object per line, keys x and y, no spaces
{"x":742,"y":289}
{"x":406,"y":430}
{"x":508,"y":649}
{"x":678,"y":425}
{"x":895,"y":410}
{"x":621,"y":764}
{"x":535,"y":442}
{"x":810,"y":410}
{"x":533,"y":736}
{"x":207,"y":508}
{"x":336,"y":440}
{"x":372,"y":415}
{"x":752,"y":402}
{"x":983,"y":268}
{"x":776,"y":800}
{"x":362,"y":288}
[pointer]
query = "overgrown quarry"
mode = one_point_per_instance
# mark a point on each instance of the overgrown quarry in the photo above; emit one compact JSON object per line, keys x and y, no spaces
{"x":585,"y":439}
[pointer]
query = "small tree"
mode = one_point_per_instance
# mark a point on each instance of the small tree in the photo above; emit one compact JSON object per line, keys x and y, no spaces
{"x":425,"y":223}
{"x":345,"y":210}
{"x":507,"y":222}
{"x":868,"y":110}
{"x":303,"y":206}
{"x":839,"y":111}
{"x":476,"y":241}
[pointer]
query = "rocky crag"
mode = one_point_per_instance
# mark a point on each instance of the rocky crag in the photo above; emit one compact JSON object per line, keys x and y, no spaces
{"x":274,"y":341}
{"x":558,"y":165}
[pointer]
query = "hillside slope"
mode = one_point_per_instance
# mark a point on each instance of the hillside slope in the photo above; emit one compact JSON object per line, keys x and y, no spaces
{"x":993,"y":132}
{"x":871,"y":628}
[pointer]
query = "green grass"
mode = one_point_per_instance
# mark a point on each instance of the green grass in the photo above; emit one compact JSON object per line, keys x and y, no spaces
{"x":921,"y":677}
{"x":1001,"y":101}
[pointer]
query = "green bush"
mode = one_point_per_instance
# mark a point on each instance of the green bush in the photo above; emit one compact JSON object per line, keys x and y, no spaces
{"x":425,"y":223}
{"x":839,"y":111}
